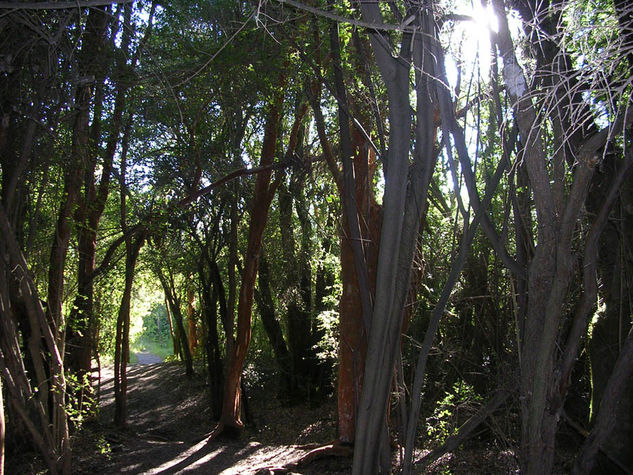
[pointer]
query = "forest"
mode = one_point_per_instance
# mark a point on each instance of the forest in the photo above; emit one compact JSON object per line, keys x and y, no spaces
{"x":411,"y":219}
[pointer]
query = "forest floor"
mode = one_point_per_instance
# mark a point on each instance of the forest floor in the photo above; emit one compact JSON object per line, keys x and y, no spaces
{"x":169,"y":422}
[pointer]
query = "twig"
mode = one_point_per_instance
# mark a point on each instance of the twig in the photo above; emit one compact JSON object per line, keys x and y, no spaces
{"x":58,"y":5}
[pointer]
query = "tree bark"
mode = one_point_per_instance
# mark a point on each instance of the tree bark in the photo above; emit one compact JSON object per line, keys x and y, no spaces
{"x":192,"y":334}
{"x":614,"y":266}
{"x":176,"y":313}
{"x":606,"y":420}
{"x":400,"y":225}
{"x":81,"y":320}
{"x":1,"y":430}
{"x":174,"y":338}
{"x":544,"y":374}
{"x":122,"y":348}
{"x":212,"y":293}
{"x":262,"y":197}
{"x":43,"y":413}
{"x":272,"y":327}
{"x":122,"y":344}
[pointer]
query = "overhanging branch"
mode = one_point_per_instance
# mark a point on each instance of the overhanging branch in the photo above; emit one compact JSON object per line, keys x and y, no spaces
{"x":58,"y":5}
{"x":226,"y":178}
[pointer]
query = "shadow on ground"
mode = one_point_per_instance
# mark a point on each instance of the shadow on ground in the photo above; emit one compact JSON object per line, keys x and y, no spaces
{"x":169,"y":422}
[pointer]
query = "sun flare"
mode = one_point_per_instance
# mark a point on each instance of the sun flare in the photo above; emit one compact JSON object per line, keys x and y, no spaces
{"x":470,"y":40}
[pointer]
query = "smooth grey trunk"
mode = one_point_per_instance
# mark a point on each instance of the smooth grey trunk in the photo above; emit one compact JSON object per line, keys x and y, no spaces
{"x":371,"y":453}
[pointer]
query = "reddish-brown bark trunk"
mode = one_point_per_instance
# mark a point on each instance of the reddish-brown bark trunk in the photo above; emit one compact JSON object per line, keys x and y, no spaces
{"x":191,"y":322}
{"x":264,"y":192}
{"x":353,"y":339}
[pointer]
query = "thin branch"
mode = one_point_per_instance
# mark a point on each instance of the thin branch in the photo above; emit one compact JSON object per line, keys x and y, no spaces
{"x":59,"y":5}
{"x":351,"y":21}
{"x":454,"y":441}
{"x":226,"y":178}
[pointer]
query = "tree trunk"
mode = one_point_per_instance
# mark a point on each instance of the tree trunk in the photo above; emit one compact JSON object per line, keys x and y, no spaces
{"x":122,"y":343}
{"x":273,"y":329}
{"x":404,"y":202}
{"x":371,"y":454}
{"x":305,"y":366}
{"x":1,"y":430}
{"x":81,"y":320}
{"x":176,"y":313}
{"x":174,"y":338}
{"x":212,"y":293}
{"x":191,"y":322}
{"x":297,"y":289}
{"x":615,"y":265}
{"x":262,"y":197}
{"x":611,"y":405}
{"x":352,"y":332}
{"x":122,"y":348}
{"x":42,"y":412}
{"x":545,"y":361}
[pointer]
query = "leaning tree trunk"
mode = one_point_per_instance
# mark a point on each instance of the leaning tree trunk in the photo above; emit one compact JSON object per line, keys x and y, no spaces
{"x":178,"y":323}
{"x":264,"y":192}
{"x":41,"y":411}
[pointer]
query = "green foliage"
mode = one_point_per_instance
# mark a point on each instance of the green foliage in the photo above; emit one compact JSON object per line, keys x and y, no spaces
{"x":156,"y":324}
{"x":154,"y":336}
{"x":79,"y":401}
{"x":326,"y":349}
{"x":452,"y":411}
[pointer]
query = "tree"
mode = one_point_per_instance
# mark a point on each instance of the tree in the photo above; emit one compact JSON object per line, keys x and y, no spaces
{"x":133,"y":243}
{"x":262,"y":197}
{"x":544,"y":374}
{"x":81,"y":320}
{"x":46,"y":424}
{"x":404,"y":201}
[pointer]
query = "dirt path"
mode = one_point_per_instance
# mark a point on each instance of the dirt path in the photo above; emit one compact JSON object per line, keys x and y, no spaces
{"x":145,"y":357}
{"x":169,"y":421}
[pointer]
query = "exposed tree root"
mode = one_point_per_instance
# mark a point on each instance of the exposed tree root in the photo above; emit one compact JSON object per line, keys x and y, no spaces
{"x":333,"y":449}
{"x":218,"y":429}
{"x":225,"y":430}
{"x":316,"y":452}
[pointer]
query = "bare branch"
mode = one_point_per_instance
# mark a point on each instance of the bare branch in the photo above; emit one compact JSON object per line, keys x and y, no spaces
{"x":58,"y":5}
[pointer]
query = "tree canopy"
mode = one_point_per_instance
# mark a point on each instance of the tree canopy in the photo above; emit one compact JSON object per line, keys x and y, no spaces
{"x":421,"y":208}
